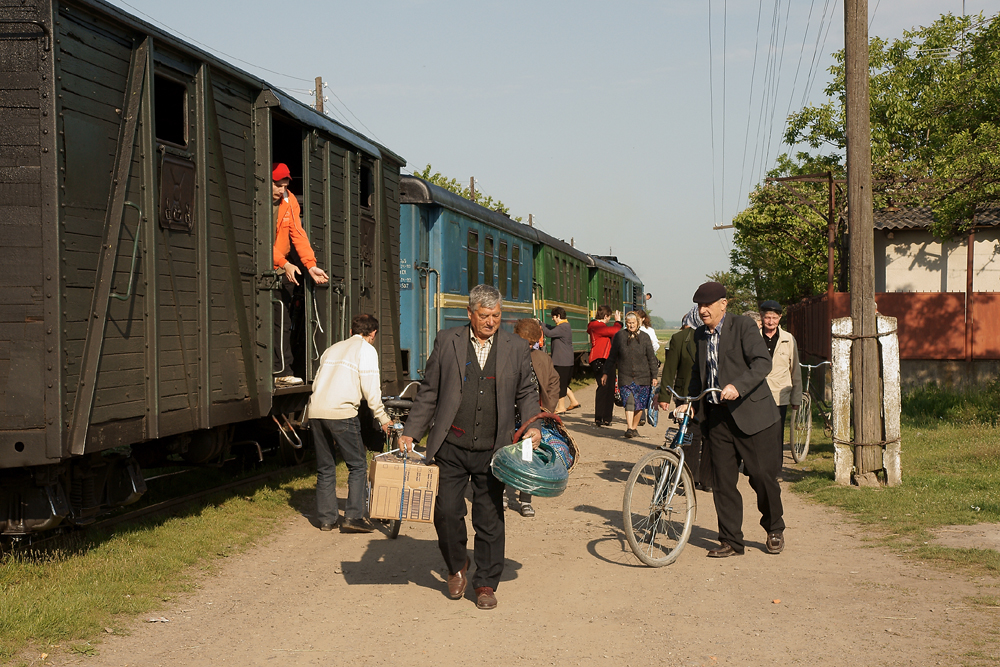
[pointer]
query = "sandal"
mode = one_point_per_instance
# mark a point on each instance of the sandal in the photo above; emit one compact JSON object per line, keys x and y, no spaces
{"x":572,"y":407}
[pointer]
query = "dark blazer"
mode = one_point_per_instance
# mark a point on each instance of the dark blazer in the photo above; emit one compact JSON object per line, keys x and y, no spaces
{"x":679,"y":364}
{"x":440,"y":393}
{"x":744,"y":362}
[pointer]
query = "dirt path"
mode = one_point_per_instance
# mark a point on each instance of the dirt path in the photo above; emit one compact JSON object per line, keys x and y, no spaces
{"x":572,"y":593}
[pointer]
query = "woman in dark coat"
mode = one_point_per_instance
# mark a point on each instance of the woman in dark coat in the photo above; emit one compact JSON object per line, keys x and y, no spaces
{"x":633,"y":358}
{"x":562,"y":357}
{"x":677,"y":369}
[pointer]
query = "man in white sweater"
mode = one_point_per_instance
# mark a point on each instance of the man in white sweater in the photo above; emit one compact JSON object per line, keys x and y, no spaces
{"x":348,"y":372}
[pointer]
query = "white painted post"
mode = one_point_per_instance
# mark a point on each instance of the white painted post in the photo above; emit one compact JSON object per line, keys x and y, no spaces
{"x":840,"y":362}
{"x":891,"y":401}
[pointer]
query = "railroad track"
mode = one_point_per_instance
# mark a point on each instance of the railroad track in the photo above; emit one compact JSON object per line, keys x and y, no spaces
{"x":162,"y":507}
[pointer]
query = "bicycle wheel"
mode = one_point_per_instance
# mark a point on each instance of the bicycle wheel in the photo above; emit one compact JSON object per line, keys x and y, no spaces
{"x":658,"y":527}
{"x":802,"y":430}
{"x":394,"y":525}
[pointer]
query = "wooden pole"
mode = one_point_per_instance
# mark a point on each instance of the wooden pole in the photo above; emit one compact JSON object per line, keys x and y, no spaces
{"x":319,"y":94}
{"x":472,"y":188}
{"x":865,"y":365}
{"x":831,"y":248}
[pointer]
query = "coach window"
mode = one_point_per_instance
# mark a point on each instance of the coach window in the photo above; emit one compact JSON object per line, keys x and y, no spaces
{"x":502,"y":269}
{"x":170,"y":109}
{"x":473,"y":259}
{"x":515,"y":272}
{"x":488,"y":261}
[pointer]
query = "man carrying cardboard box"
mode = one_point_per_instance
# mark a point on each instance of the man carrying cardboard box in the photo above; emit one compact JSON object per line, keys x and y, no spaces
{"x":475,"y":377}
{"x":348,"y":372}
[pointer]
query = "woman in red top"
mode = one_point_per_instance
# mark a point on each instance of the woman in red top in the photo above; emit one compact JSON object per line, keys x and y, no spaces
{"x":601,"y":331}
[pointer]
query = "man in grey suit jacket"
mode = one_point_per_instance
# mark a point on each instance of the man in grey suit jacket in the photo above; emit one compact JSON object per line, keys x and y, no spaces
{"x":476,"y":377}
{"x":741,"y":422}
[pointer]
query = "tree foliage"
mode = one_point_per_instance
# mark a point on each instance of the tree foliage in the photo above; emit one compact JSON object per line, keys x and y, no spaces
{"x":452,"y":185}
{"x":935,"y":132}
{"x":935,"y":117}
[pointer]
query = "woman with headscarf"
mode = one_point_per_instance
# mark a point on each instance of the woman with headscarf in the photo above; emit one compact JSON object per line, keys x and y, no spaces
{"x":677,"y":369}
{"x":633,"y":358}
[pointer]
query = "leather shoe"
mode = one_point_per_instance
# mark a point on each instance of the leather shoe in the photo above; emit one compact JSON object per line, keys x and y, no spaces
{"x":326,"y":527}
{"x":775,"y":543}
{"x":361,"y":525}
{"x":485,"y":598}
{"x":725,"y":550}
{"x":457,"y":582}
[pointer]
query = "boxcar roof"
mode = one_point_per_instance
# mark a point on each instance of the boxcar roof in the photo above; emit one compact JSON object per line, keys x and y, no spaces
{"x":298,"y":110}
{"x":414,"y":190}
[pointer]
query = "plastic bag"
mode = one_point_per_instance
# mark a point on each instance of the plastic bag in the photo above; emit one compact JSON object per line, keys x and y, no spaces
{"x":653,"y":409}
{"x":544,"y":475}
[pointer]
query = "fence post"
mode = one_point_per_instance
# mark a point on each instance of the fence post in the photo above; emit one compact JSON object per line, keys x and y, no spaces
{"x":891,"y":401}
{"x":840,"y":363}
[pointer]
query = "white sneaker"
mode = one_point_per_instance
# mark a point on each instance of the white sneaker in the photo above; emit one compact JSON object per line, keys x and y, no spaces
{"x":287,"y":381}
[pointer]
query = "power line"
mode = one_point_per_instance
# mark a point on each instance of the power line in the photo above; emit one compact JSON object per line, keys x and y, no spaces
{"x":246,"y":62}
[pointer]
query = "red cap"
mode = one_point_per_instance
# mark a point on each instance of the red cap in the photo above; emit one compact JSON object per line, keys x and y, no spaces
{"x":279,"y":170}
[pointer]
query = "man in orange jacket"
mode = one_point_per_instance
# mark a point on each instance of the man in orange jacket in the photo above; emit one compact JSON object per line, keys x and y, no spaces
{"x":290,"y":240}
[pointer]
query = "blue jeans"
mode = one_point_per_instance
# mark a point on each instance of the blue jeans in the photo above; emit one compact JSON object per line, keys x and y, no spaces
{"x":345,"y":436}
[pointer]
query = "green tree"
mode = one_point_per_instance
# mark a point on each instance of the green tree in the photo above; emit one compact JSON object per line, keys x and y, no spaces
{"x":452,"y":185}
{"x":935,"y":116}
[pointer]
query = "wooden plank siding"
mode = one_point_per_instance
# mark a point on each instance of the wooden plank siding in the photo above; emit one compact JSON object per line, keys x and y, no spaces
{"x":22,"y":311}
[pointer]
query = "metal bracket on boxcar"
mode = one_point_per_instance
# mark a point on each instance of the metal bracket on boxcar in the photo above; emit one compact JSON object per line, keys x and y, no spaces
{"x":270,"y":280}
{"x":28,"y":35}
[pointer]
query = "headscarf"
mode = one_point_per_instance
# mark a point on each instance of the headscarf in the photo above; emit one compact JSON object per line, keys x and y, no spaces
{"x":692,"y":318}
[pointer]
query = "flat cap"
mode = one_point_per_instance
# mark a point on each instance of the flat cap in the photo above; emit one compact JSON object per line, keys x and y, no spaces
{"x":710,"y":292}
{"x":770,"y":306}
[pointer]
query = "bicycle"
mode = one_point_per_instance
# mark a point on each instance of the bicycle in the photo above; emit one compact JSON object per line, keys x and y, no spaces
{"x":802,"y":420}
{"x":397,"y":408}
{"x":659,"y":506}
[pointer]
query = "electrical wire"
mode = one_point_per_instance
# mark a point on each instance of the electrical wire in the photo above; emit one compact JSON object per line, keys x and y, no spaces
{"x":248,"y":63}
{"x":711,"y":105}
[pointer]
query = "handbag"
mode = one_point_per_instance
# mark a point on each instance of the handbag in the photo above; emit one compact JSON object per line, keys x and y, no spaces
{"x":618,"y":396}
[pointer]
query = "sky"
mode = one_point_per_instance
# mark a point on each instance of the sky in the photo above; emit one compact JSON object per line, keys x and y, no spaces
{"x":631,"y":128}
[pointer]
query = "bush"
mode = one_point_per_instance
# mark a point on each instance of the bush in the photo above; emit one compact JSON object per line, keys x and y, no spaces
{"x":971,"y":405}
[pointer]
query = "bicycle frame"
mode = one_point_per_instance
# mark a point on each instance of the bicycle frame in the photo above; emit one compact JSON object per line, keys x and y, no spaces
{"x":676,"y":445}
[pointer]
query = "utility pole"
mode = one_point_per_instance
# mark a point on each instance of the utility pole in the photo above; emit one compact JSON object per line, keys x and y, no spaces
{"x":865,"y":364}
{"x":319,"y":94}
{"x":472,"y":188}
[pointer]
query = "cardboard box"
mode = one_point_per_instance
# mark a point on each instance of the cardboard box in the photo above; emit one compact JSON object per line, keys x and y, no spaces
{"x":419,"y":489}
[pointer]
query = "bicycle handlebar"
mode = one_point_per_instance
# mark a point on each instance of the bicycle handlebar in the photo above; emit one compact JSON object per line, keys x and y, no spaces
{"x":810,"y":367}
{"x":692,"y":399}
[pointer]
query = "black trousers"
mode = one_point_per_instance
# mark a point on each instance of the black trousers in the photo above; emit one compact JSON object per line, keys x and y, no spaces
{"x":283,"y":356}
{"x":457,"y":468}
{"x":604,"y":398}
{"x":729,"y":445}
{"x":698,"y":456}
{"x":783,"y":409}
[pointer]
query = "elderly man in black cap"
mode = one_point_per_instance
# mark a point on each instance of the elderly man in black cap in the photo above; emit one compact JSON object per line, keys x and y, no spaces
{"x":740,"y":422}
{"x":785,"y":378}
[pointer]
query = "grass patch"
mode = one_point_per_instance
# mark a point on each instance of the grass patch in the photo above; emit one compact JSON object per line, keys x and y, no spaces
{"x":71,"y":594}
{"x":971,"y":405}
{"x":950,"y":477}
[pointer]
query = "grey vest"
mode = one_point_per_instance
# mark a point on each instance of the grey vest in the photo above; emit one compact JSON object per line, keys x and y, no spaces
{"x":475,"y":425}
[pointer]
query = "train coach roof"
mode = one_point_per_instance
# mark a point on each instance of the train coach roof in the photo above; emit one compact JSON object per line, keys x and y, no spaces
{"x":413,"y":190}
{"x":296,"y":109}
{"x":618,"y":267}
